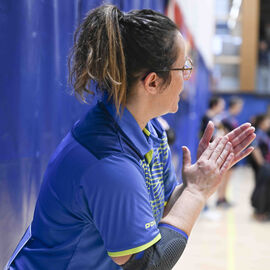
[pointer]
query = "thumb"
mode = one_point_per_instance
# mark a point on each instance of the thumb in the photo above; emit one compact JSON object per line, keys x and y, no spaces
{"x":186,"y":156}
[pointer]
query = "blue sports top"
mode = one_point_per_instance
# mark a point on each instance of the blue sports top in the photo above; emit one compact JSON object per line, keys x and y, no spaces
{"x":103,"y":194}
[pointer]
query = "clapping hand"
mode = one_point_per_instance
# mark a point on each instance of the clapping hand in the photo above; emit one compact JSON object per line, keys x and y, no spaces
{"x":240,"y":138}
{"x":215,"y":158}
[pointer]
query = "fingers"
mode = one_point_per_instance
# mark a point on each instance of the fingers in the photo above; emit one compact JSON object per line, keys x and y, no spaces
{"x":219,"y":149}
{"x":211,"y":147}
{"x":237,"y":140}
{"x":228,"y":150}
{"x":186,"y":156}
{"x":240,"y":139}
{"x":242,"y":155}
{"x":224,"y":154}
{"x":244,"y":143}
{"x":231,"y":135}
{"x":227,"y":163}
{"x":207,"y":135}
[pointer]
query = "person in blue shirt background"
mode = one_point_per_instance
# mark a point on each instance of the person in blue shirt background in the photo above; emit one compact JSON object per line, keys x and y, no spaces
{"x":228,"y":122}
{"x":260,"y":162}
{"x":110,"y":198}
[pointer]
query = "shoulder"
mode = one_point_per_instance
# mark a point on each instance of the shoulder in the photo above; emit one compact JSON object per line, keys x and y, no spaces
{"x":116,"y":167}
{"x":97,"y":132}
{"x":114,"y":180}
{"x":119,"y":170}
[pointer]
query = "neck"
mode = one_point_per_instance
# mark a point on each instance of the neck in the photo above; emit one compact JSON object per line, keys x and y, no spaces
{"x":141,"y":105}
{"x":139,"y":114}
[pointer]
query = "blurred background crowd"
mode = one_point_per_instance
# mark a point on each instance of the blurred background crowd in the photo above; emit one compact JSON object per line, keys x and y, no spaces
{"x":229,"y":42}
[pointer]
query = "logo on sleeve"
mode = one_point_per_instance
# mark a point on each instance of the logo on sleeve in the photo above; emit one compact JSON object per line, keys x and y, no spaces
{"x":150,"y":224}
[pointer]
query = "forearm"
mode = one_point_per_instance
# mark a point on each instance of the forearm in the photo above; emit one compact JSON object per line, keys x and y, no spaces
{"x":173,"y":198}
{"x":184,"y":210}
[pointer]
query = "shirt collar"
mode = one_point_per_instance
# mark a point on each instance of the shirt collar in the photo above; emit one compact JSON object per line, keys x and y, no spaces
{"x":129,"y":127}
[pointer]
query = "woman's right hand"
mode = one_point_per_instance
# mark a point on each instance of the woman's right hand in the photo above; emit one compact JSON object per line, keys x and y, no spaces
{"x":203,"y":177}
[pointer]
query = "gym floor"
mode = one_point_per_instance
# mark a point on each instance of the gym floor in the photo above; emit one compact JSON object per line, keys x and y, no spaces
{"x":229,"y":239}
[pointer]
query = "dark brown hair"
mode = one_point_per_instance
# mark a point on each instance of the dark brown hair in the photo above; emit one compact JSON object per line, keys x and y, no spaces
{"x":213,"y":102}
{"x":258,"y":119}
{"x":114,"y":50}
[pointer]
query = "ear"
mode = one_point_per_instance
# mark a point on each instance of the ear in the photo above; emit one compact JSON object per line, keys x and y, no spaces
{"x":152,"y":83}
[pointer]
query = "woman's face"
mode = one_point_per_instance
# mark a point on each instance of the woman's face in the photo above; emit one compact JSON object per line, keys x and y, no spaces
{"x":170,"y":96}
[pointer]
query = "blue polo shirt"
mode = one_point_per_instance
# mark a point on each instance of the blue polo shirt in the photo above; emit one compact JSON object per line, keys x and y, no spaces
{"x":103,"y":194}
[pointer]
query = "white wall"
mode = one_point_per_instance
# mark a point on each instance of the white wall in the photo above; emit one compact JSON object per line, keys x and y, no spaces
{"x":199,"y":17}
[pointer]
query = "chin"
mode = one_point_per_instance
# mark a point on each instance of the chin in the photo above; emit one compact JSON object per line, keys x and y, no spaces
{"x":174,"y":109}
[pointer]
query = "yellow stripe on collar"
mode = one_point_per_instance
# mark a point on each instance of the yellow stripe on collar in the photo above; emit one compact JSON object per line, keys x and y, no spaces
{"x":147,"y":132}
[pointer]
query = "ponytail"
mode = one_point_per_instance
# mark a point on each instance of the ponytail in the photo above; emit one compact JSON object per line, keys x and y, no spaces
{"x":115,"y":51}
{"x":98,"y":55}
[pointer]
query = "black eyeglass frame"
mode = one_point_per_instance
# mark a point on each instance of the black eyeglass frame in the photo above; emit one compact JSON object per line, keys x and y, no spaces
{"x":179,"y":69}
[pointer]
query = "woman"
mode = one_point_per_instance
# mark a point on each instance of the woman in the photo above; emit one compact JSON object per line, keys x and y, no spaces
{"x":260,"y":161}
{"x":102,"y":201}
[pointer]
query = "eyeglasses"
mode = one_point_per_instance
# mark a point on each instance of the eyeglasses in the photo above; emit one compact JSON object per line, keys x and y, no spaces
{"x":186,"y":69}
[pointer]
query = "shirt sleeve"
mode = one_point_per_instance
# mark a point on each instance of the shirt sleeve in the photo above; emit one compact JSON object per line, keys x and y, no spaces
{"x":170,"y":179}
{"x":119,"y":203}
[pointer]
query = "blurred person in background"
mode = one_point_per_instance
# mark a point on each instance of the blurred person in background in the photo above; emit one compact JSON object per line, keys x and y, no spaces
{"x":215,"y":107}
{"x":260,"y":161}
{"x":229,"y":122}
{"x":263,"y":73}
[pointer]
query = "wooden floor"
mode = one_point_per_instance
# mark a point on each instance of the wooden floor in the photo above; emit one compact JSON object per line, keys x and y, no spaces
{"x":229,"y":239}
